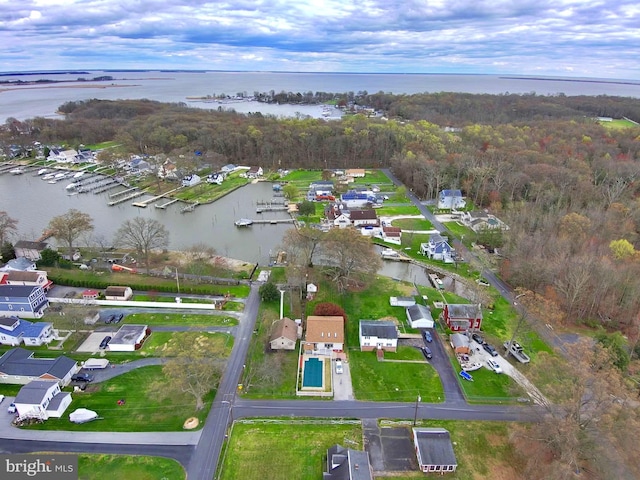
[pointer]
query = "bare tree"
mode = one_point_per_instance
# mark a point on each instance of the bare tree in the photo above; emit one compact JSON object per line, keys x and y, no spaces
{"x":143,"y":235}
{"x":69,"y":227}
{"x":8,"y":227}
{"x":301,"y":244}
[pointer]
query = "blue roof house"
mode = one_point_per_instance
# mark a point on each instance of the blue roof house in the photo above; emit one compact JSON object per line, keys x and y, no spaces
{"x":14,"y":331}
{"x":22,"y":300}
{"x":438,"y":248}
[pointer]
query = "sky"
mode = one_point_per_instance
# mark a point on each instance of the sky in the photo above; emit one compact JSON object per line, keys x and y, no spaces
{"x":573,"y":38}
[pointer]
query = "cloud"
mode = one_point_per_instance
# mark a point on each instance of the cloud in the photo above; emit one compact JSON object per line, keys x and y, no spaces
{"x":584,"y":37}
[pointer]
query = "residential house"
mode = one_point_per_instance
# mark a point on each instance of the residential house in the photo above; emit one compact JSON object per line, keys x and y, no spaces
{"x":28,"y":301}
{"x":62,"y":156}
{"x":392,"y":235}
{"x":30,"y":278}
{"x":90,"y":294}
{"x":419,"y":316}
{"x":463,"y":317}
{"x":355,"y":172}
{"x":29,"y":250}
{"x":378,"y":335}
{"x":41,"y":399}
{"x":347,"y":464}
{"x":451,"y":200}
{"x":22,"y":264}
{"x":434,"y":450}
{"x":460,"y":343}
{"x":14,"y":331}
{"x":342,"y":220}
{"x":354,"y":199}
{"x":229,"y":168}
{"x":18,"y":366}
{"x":480,"y":220}
{"x":363,"y":218}
{"x":168,"y":171}
{"x":191,"y":180}
{"x":139,"y":165}
{"x":254,"y":172}
{"x":402,"y":301}
{"x":129,"y":338}
{"x":321,"y":188}
{"x":438,"y":248}
{"x":215,"y":178}
{"x":118,"y":293}
{"x":324,"y":335}
{"x":284,"y":334}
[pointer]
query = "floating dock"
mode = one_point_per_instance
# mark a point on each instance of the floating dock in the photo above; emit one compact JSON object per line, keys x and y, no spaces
{"x":165,"y":205}
{"x":124,"y":199}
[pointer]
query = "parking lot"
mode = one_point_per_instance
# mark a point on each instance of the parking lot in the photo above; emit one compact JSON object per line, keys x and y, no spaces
{"x":92,"y":343}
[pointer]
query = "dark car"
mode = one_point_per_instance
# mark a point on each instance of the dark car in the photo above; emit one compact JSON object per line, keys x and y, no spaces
{"x":426,"y":351}
{"x":426,"y":334}
{"x":82,"y":377}
{"x":478,"y":338}
{"x":110,"y":319}
{"x":105,"y":341}
{"x":118,"y":318}
{"x":490,"y":349}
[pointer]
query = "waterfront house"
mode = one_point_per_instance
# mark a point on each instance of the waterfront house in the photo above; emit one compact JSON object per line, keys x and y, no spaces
{"x":284,"y":334}
{"x":168,"y":171}
{"x":28,"y":301}
{"x":463,"y":317}
{"x":14,"y":331}
{"x":451,"y":199}
{"x":363,"y":218}
{"x":254,"y":172}
{"x":324,"y":335}
{"x":434,"y":450}
{"x":191,"y":180}
{"x":419,"y":316}
{"x":216,"y":178}
{"x":62,"y":156}
{"x":41,"y":399}
{"x":378,"y":335}
{"x":19,"y":366}
{"x":438,"y":248}
{"x":29,"y":250}
{"x":229,"y":168}
{"x":22,"y":264}
{"x":392,"y":235}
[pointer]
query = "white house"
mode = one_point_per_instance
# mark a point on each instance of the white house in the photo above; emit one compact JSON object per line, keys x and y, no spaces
{"x":62,"y":156}
{"x":402,"y":301}
{"x":191,"y":180}
{"x":451,"y":199}
{"x":434,"y":450}
{"x":392,"y":235}
{"x":419,"y":316}
{"x":128,"y":338}
{"x":362,"y":218}
{"x":215,"y":178}
{"x":342,"y":220}
{"x":41,"y":399}
{"x":378,"y":335}
{"x":118,"y":293}
{"x":284,"y":335}
{"x":19,"y":366}
{"x":438,"y":248}
{"x":22,"y":264}
{"x":324,"y":335}
{"x":254,"y":172}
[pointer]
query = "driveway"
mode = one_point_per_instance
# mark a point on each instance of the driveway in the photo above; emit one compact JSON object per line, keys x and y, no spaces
{"x":390,"y":448}
{"x":342,"y":387}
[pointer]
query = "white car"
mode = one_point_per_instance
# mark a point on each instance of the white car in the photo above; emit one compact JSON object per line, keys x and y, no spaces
{"x":493,"y":365}
{"x":339,"y":369}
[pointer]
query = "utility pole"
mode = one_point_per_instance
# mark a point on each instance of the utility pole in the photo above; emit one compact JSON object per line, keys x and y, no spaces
{"x":523,"y":316}
{"x":415,"y":414}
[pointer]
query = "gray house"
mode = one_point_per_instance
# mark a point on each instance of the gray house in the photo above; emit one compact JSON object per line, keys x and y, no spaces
{"x":434,"y":450}
{"x":18,"y":366}
{"x":347,"y":464}
{"x":41,"y":399}
{"x":419,"y":316}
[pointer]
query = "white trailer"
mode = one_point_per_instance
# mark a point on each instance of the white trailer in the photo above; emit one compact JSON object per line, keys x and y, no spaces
{"x":95,"y":364}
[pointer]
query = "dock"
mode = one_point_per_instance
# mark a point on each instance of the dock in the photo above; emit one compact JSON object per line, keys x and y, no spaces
{"x":103,"y":187}
{"x":274,"y":221}
{"x":122,"y":192}
{"x":165,"y":205}
{"x":124,"y":199}
{"x":144,"y":203}
{"x":190,"y":208}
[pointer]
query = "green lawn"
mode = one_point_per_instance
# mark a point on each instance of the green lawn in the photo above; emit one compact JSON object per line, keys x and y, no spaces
{"x":171,"y":299}
{"x":489,"y":387}
{"x":618,"y":123}
{"x":412,"y":224}
{"x":155,"y":344}
{"x":295,"y":450}
{"x":394,"y":210}
{"x":394,"y":381}
{"x":143,"y":411}
{"x":99,"y":467}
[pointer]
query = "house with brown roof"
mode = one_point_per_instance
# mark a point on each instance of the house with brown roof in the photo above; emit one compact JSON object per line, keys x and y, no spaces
{"x":364,"y":218}
{"x":284,"y":334}
{"x":355,"y":172}
{"x":36,"y":278}
{"x":324,"y":335}
{"x":118,"y":293}
{"x":254,"y":172}
{"x":463,"y":317}
{"x":392,"y":235}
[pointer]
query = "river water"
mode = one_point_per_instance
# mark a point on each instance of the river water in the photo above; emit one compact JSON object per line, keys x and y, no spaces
{"x":34,"y":202}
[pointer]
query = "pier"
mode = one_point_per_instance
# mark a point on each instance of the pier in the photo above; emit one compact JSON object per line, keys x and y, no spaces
{"x":190,"y":208}
{"x":122,"y":192}
{"x":144,"y":203}
{"x":165,"y":205}
{"x":124,"y":199}
{"x":273,"y":221}
{"x":105,"y":186}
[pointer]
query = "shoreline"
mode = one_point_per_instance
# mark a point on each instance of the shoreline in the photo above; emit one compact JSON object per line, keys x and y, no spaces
{"x":40,"y":87}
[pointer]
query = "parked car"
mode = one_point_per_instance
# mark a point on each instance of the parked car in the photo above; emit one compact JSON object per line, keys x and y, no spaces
{"x":426,"y":334}
{"x":1,"y":398}
{"x":82,"y":377}
{"x":426,"y":351}
{"x":105,"y":342}
{"x":478,"y":338}
{"x":12,"y":408}
{"x":118,"y":318}
{"x":339,"y":368}
{"x":110,"y":319}
{"x":490,"y":349}
{"x":493,"y":365}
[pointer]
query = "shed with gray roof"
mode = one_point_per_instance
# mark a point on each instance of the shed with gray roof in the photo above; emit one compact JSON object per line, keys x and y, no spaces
{"x":434,"y":450}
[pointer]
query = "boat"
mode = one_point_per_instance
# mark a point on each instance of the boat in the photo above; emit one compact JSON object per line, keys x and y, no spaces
{"x":390,"y":253}
{"x":17,"y":171}
{"x":53,"y":180}
{"x":243,"y":222}
{"x":72,"y":186}
{"x":42,"y":171}
{"x":470,"y":367}
{"x":48,"y":176}
{"x":82,"y":415}
{"x":59,"y":175}
{"x":78,"y":175}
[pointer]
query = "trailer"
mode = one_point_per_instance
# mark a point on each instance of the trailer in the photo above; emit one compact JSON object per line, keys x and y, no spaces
{"x":517,"y":351}
{"x":95,"y":364}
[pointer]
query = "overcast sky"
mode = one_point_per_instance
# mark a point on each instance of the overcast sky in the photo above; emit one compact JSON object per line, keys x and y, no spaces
{"x":590,"y":38}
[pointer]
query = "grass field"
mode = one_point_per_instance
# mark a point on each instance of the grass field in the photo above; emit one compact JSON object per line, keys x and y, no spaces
{"x":99,"y":467}
{"x":155,"y":344}
{"x":412,"y":224}
{"x":143,"y":410}
{"x":618,"y":123}
{"x":259,"y":450}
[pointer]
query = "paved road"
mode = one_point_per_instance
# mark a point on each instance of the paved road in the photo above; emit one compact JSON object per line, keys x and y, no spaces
{"x":448,"y":376}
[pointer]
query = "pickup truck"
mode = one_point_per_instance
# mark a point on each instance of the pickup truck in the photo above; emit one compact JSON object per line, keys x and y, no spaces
{"x":517,"y":352}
